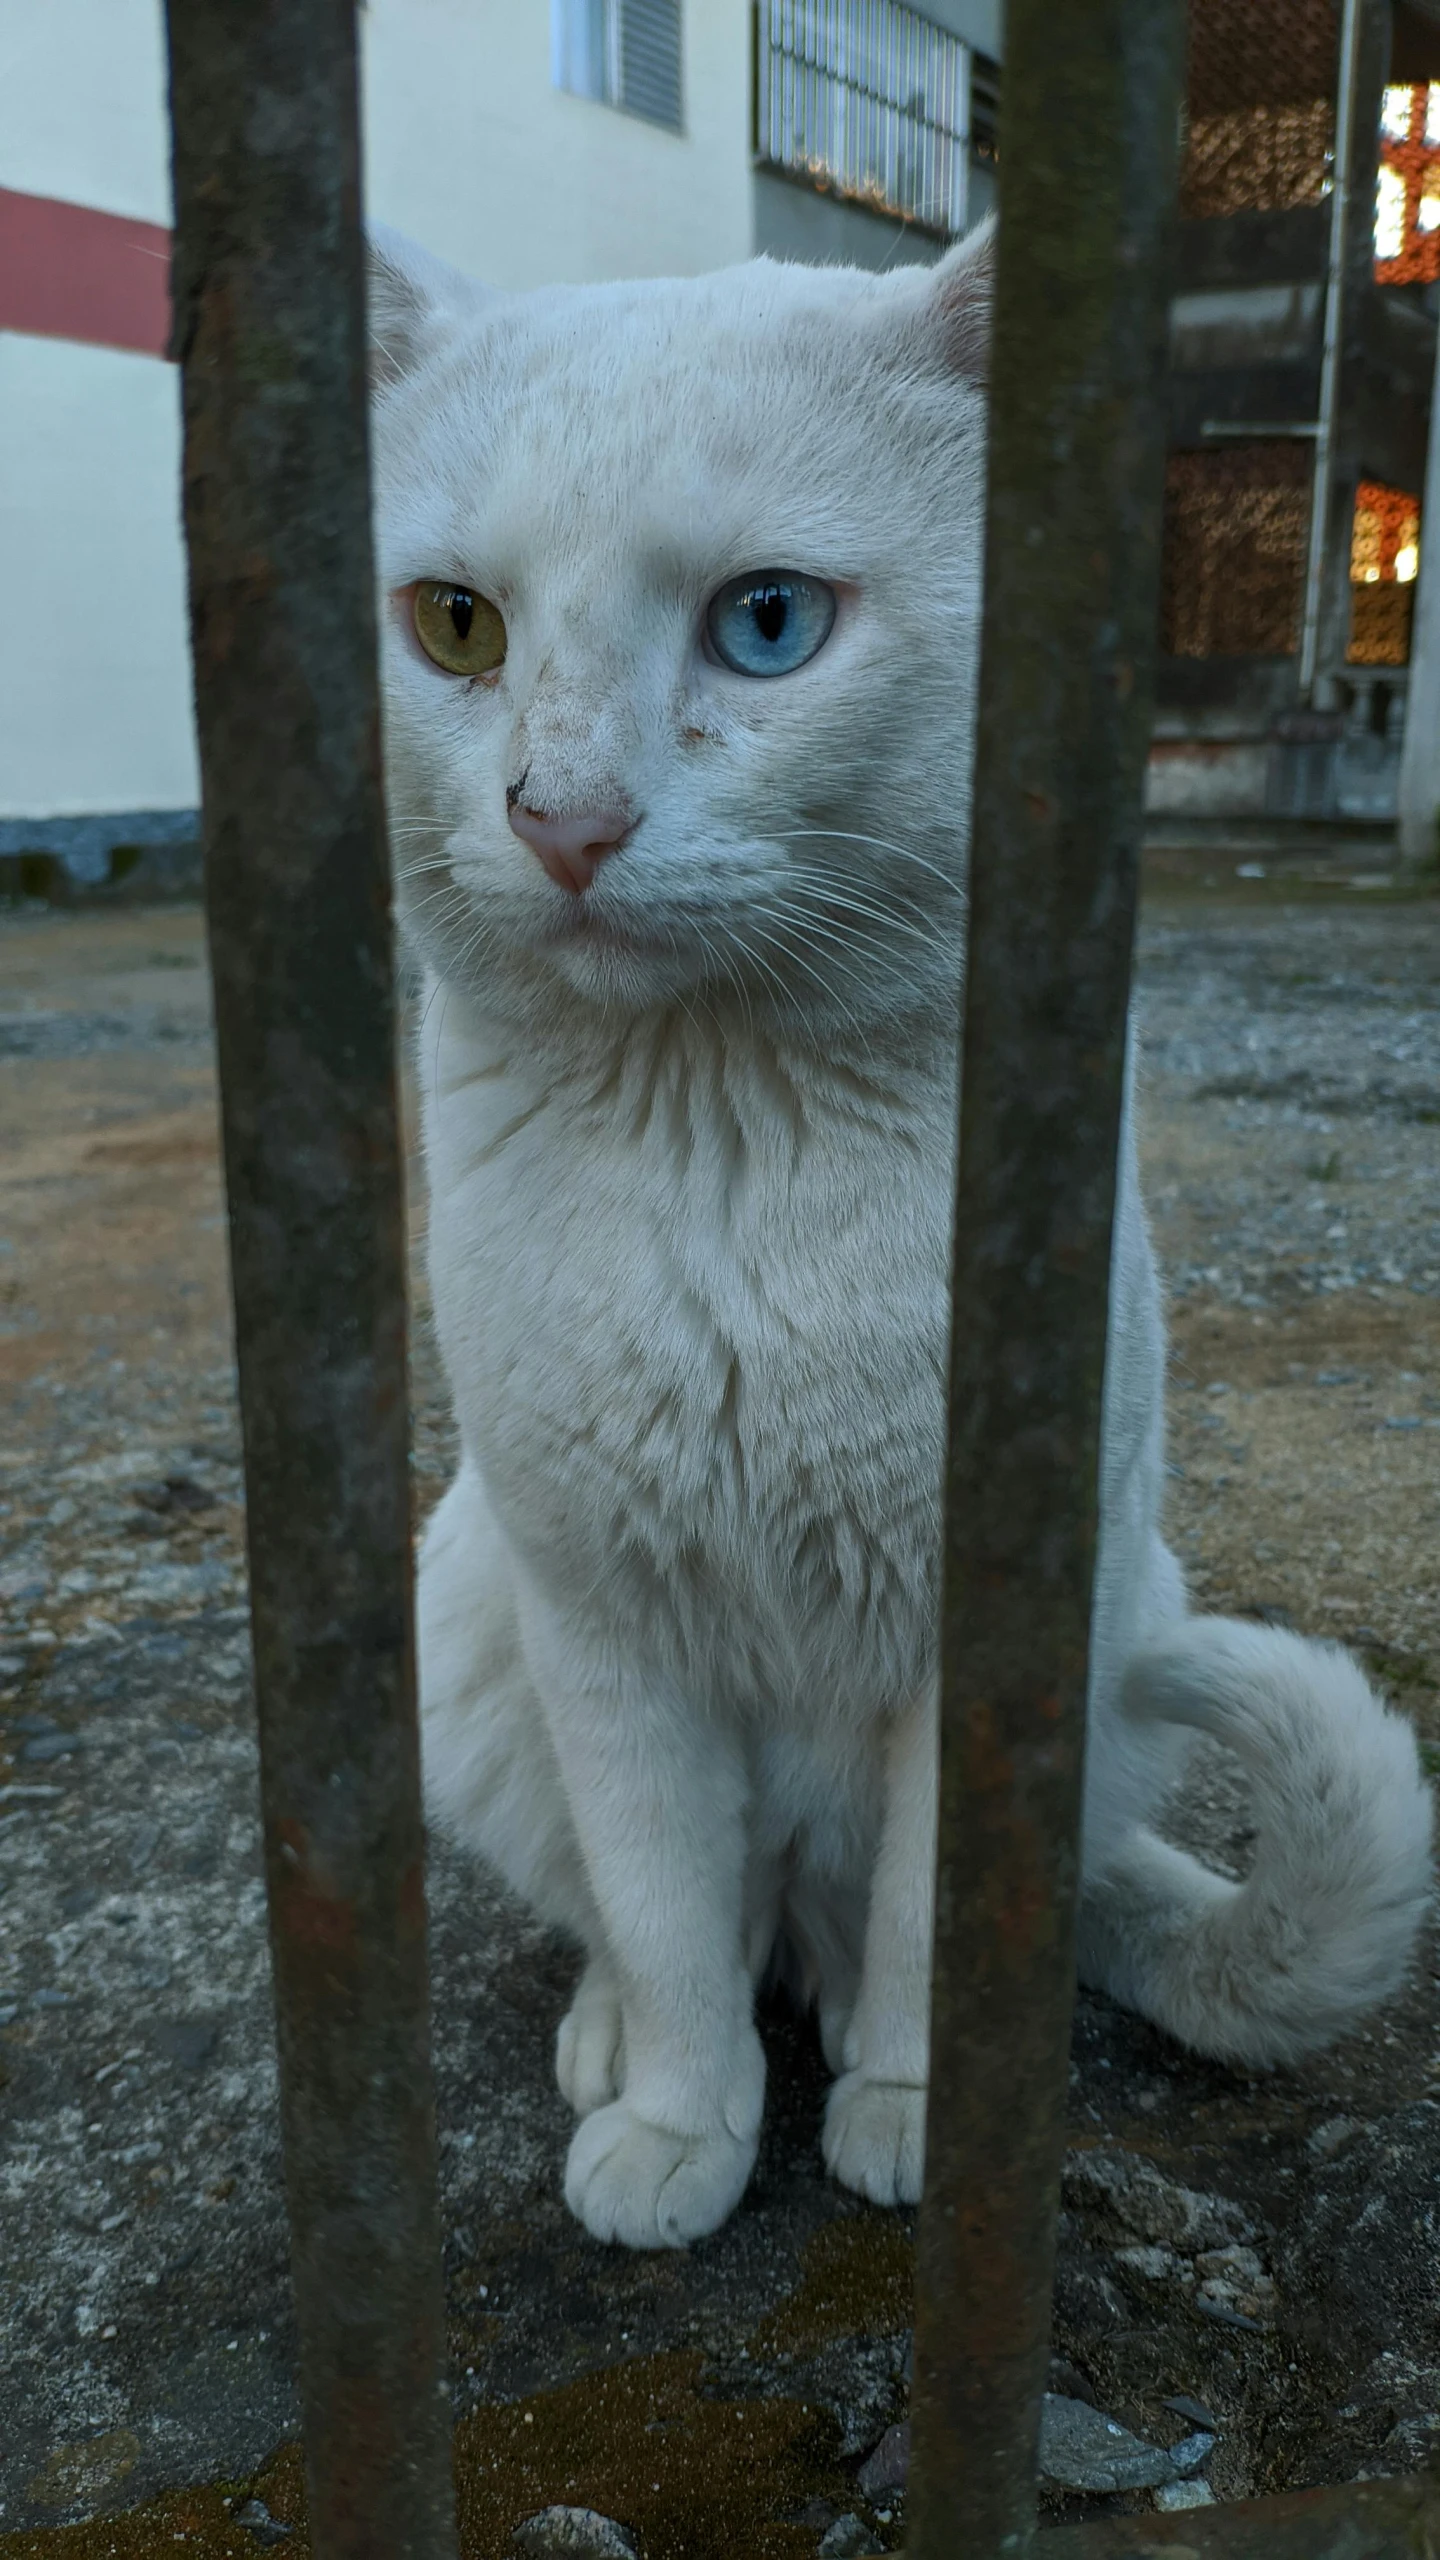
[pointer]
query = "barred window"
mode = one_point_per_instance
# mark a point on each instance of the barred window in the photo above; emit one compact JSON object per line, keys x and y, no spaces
{"x":869,"y":100}
{"x":625,"y":53}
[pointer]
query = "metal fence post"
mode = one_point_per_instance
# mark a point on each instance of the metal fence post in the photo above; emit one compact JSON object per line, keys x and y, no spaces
{"x":1088,"y":161}
{"x":270,"y":332}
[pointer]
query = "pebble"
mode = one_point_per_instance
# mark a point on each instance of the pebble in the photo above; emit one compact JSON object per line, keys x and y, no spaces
{"x":257,"y":2520}
{"x":1192,"y":2452}
{"x":572,"y":2533}
{"x":1080,"y":2448}
{"x":848,"y":2539}
{"x":1195,"y":2410}
{"x":887,"y":2466}
{"x":1176,"y":2494}
{"x":1152,"y":2207}
{"x":1331,"y":2136}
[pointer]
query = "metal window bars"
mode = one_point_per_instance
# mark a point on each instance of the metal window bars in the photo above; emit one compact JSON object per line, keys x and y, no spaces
{"x":869,"y":100}
{"x":271,"y":335}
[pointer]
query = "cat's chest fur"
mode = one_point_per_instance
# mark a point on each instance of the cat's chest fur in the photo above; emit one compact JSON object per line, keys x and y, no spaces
{"x":690,"y":1286}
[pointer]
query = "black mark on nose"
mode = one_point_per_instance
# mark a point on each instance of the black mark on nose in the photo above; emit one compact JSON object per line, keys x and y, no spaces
{"x":514,"y":789}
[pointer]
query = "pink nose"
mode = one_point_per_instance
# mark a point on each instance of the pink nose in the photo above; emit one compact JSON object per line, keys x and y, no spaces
{"x":572,"y":849}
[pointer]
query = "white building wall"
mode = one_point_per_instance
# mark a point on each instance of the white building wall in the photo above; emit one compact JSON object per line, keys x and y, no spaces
{"x":471,"y":150}
{"x":468,"y":148}
{"x":94,"y":651}
{"x":82,"y":103}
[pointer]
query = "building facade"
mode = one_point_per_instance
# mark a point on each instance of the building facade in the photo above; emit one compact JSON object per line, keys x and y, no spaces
{"x":528,"y":141}
{"x":1303,"y":350}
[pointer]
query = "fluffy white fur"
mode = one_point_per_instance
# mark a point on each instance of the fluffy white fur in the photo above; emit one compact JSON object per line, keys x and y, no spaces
{"x":690,"y":1144}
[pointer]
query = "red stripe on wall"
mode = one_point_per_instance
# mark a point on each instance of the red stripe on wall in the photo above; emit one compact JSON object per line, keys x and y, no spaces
{"x":68,"y":271}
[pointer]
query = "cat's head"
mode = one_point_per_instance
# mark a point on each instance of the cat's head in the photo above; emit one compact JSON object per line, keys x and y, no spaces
{"x":681,"y":595}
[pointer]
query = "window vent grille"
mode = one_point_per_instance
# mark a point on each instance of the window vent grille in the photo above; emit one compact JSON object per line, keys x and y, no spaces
{"x":1260,"y":106}
{"x":650,"y":59}
{"x":1233,"y":556}
{"x":624,"y":53}
{"x":868,"y":99}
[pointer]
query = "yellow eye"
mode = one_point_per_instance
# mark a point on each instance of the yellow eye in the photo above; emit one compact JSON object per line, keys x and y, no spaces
{"x":462,"y":632}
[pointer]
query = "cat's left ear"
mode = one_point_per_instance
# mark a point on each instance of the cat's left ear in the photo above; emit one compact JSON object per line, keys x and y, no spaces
{"x":414,"y":301}
{"x":960,"y":300}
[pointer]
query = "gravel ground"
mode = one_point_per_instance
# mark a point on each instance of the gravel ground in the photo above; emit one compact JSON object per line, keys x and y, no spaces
{"x":1259,"y":2253}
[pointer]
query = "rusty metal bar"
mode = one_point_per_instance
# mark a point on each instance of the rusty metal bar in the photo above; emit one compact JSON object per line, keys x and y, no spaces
{"x":270,"y":332}
{"x":1369,"y":2520}
{"x":1088,"y":159}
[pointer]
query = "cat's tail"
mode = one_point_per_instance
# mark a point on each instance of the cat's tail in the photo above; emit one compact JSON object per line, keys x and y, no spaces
{"x":1324,"y":1925}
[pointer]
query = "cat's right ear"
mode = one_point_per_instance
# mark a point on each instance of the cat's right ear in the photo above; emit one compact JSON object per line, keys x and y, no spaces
{"x":961,"y":300}
{"x":414,"y":300}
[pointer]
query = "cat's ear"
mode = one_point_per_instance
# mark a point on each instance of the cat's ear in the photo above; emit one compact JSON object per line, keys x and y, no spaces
{"x":960,"y":300}
{"x":414,"y":299}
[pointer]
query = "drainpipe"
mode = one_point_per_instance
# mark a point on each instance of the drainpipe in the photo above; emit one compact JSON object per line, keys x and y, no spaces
{"x":1420,"y":755}
{"x":1324,"y":479}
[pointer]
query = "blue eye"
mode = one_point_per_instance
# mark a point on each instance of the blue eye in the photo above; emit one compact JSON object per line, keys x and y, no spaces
{"x":769,"y":622}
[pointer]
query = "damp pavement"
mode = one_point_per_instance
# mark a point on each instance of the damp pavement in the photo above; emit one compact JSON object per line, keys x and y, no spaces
{"x":1248,"y":2296}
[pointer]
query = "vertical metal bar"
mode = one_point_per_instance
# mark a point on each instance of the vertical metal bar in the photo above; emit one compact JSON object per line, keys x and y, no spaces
{"x":1332,"y":346}
{"x":1088,"y":181}
{"x":270,"y":332}
{"x":960,"y":184}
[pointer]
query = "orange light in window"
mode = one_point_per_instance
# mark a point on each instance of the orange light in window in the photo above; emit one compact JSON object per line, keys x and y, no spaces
{"x":1407,"y":203}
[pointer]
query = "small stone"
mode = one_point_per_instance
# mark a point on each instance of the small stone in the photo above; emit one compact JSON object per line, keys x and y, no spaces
{"x":1192,"y":2452}
{"x":187,"y":2042}
{"x":51,"y":1746}
{"x":257,"y":2520}
{"x":1080,"y":2448}
{"x":887,"y":2467}
{"x":1233,"y":2281}
{"x":1330,"y":2137}
{"x":572,"y":2533}
{"x":1211,"y":2307}
{"x":1195,"y":2410}
{"x":1175,"y":2494}
{"x":1147,"y":2260}
{"x":1149,"y":2206}
{"x":848,"y":2539}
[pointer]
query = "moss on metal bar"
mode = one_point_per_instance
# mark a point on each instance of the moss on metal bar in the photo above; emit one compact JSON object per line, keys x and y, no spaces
{"x":1088,"y":159}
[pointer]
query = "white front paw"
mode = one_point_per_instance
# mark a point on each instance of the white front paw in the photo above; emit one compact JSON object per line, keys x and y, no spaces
{"x":875,"y":2138}
{"x":590,"y":2045}
{"x":638,"y":2183}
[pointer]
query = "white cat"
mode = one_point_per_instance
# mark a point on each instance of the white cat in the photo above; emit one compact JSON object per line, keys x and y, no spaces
{"x":681,"y":620}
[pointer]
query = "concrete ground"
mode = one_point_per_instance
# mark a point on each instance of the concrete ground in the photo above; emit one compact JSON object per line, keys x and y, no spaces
{"x":1261,"y":2252}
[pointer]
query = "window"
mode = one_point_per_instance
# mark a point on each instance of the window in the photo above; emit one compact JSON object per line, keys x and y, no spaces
{"x":626,"y":53}
{"x":1407,"y":201}
{"x":868,"y":99}
{"x":1384,"y":564}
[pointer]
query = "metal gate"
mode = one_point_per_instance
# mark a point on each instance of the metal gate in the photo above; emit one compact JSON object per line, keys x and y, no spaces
{"x":270,"y":331}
